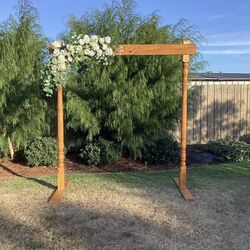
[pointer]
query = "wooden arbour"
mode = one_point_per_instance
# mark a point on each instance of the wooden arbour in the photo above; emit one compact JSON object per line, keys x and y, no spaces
{"x":185,"y":50}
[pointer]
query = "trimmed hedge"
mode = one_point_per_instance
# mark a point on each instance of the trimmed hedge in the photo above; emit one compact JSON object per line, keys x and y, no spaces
{"x":100,"y":152}
{"x":41,"y":152}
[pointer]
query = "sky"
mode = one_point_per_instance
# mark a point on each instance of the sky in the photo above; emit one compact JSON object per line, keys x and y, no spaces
{"x":225,"y":24}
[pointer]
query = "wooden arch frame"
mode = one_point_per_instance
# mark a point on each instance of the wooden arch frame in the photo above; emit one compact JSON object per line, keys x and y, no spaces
{"x":185,"y":50}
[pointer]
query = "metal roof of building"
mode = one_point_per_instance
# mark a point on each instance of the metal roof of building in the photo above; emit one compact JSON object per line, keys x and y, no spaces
{"x":221,"y":76}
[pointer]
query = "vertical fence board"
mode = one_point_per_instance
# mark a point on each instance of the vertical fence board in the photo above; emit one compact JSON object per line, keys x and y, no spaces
{"x":210,"y":114}
{"x":197,"y":115}
{"x":230,"y":109}
{"x":224,"y":114}
{"x":203,"y":119}
{"x":243,"y":104}
{"x":248,"y":110}
{"x":237,"y":111}
{"x":190,"y":125}
{"x":217,"y":110}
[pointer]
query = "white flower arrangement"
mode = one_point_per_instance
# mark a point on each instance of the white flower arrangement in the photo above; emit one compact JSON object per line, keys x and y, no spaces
{"x":79,"y":51}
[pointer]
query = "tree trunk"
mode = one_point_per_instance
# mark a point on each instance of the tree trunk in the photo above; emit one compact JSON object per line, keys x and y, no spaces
{"x":11,"y":150}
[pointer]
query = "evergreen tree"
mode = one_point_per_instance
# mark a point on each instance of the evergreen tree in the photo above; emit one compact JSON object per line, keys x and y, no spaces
{"x":134,"y":99}
{"x":22,"y":108}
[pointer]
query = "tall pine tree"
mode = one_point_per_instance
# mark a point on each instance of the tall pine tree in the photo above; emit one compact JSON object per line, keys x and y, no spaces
{"x":22,"y":108}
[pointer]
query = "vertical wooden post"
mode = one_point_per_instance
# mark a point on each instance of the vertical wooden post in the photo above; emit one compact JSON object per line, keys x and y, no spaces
{"x":61,"y":182}
{"x":182,"y":180}
{"x":183,"y":155}
{"x":60,"y":139}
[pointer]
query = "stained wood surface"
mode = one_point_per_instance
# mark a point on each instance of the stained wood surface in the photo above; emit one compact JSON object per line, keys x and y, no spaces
{"x":58,"y":194}
{"x":184,"y":116}
{"x":184,"y":191}
{"x":155,"y":49}
{"x":60,"y":139}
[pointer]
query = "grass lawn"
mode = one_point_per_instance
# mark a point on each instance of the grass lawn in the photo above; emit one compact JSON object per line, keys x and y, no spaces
{"x":129,"y":211}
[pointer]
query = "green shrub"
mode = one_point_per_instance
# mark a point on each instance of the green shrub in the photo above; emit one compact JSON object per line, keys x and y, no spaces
{"x":100,"y":152}
{"x":109,"y":151}
{"x":230,"y":150}
{"x":90,"y":154}
{"x":41,"y":152}
{"x":161,"y":151}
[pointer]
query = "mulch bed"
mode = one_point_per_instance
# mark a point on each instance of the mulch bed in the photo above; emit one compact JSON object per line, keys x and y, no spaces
{"x":196,"y":154}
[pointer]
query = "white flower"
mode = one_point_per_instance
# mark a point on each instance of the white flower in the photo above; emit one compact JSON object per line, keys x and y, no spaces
{"x":61,"y":59}
{"x":86,"y":39}
{"x":57,"y":44}
{"x":108,"y":39}
{"x":81,"y":42}
{"x":70,"y":47}
{"x":62,"y":67}
{"x":79,"y":49}
{"x":89,"y":52}
{"x":109,"y":52}
{"x":56,"y":52}
{"x":104,"y":46}
{"x":70,"y":59}
{"x":101,"y":40}
{"x":94,"y":38}
{"x":99,"y":53}
{"x":94,"y":46}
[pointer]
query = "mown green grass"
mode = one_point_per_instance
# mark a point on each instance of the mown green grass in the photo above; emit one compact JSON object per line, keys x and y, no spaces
{"x":197,"y":177}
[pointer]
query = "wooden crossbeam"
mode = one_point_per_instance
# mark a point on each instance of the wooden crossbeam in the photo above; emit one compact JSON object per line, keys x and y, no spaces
{"x":155,"y":49}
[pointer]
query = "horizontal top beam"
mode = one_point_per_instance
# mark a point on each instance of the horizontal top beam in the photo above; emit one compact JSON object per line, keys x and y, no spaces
{"x":155,"y":49}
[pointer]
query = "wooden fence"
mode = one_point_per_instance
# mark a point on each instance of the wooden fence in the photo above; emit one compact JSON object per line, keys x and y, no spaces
{"x":218,"y":109}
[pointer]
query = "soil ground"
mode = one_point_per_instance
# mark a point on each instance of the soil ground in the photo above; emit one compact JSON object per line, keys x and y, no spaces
{"x":197,"y":155}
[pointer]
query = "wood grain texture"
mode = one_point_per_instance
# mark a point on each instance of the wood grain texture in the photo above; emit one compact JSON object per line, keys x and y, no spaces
{"x":155,"y":49}
{"x":217,"y":111}
{"x":60,"y":139}
{"x":58,"y":194}
{"x":183,"y":153}
{"x":184,"y":191}
{"x":203,"y":114}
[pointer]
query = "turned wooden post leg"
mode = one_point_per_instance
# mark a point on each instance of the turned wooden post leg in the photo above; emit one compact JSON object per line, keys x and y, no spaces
{"x":182,"y":180}
{"x":60,"y":139}
{"x":183,"y":154}
{"x":61,"y":182}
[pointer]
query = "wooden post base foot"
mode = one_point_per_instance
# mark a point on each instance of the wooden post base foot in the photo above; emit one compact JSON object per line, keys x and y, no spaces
{"x":184,"y":191}
{"x":58,"y":194}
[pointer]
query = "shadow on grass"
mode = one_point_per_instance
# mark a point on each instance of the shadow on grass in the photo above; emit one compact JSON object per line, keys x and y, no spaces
{"x":79,"y":224}
{"x":39,"y":181}
{"x":18,"y":235}
{"x":78,"y":227}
